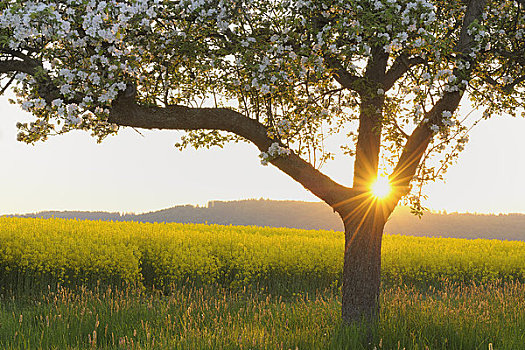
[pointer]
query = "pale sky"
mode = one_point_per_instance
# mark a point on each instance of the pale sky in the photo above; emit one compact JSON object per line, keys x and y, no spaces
{"x":134,"y":173}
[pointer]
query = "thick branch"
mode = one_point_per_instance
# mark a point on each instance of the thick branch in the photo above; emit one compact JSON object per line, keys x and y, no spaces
{"x":401,"y":65}
{"x":370,"y":123}
{"x":507,"y":88}
{"x":45,"y":86}
{"x":126,"y":112}
{"x":418,"y":142}
{"x":515,"y":56}
{"x":510,"y":86}
{"x":17,"y":66}
{"x":473,"y":13}
{"x":346,"y":79}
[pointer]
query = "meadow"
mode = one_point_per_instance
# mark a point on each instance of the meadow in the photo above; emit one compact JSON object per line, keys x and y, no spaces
{"x":86,"y":284}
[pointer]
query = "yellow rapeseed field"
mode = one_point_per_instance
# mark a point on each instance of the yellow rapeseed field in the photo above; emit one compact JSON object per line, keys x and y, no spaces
{"x":35,"y":253}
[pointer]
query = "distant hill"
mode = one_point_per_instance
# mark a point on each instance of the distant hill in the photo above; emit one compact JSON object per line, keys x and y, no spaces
{"x":458,"y":225}
{"x":316,"y":215}
{"x":294,"y":214}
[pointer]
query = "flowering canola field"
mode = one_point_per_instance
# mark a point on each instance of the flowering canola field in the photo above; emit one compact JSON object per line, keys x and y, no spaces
{"x":35,"y":253}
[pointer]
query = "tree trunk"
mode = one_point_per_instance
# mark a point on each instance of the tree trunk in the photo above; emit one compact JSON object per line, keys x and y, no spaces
{"x":362,"y":262}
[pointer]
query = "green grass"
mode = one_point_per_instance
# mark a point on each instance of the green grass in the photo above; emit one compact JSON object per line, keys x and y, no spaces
{"x":69,"y":284}
{"x":457,"y":316}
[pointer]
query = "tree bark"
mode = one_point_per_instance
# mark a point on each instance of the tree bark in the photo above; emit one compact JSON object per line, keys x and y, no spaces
{"x":364,"y":222}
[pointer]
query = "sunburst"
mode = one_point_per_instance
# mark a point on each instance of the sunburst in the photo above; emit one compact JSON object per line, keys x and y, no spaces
{"x":381,"y":187}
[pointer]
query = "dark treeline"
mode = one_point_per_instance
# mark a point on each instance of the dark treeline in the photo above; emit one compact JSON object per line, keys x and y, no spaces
{"x":310,"y":215}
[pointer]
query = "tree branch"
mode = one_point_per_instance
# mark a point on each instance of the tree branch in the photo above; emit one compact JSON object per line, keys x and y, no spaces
{"x":126,"y":112}
{"x":370,"y":122}
{"x":9,"y":66}
{"x":345,"y":78}
{"x":401,"y":65}
{"x":419,"y":140}
{"x":473,"y":12}
{"x":46,"y":88}
{"x":10,"y":81}
{"x":508,"y":87}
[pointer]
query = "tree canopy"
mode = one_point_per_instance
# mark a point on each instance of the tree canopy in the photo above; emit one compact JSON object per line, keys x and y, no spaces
{"x":301,"y":70}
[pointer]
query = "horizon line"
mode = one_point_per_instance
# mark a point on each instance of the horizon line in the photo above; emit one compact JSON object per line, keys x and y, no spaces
{"x":207,"y":205}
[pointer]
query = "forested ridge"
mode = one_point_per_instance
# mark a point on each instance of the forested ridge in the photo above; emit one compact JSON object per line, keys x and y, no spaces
{"x":315,"y":215}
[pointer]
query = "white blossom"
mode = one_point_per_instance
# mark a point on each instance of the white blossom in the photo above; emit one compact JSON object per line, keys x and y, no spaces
{"x":65,"y":89}
{"x":446,"y":114}
{"x":265,"y":89}
{"x":57,"y":102}
{"x":273,"y":152}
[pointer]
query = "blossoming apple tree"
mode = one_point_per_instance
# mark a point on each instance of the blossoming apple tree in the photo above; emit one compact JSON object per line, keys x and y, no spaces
{"x":283,"y":75}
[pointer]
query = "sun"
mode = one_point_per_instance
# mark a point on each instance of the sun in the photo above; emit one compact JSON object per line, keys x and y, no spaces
{"x":381,"y":187}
